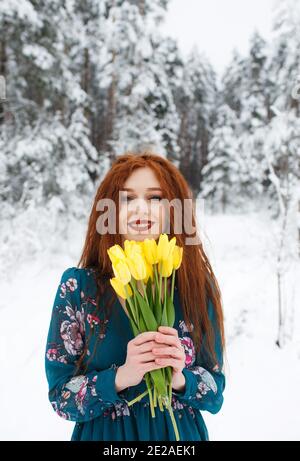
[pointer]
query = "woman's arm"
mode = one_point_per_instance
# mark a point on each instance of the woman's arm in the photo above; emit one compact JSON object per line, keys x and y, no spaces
{"x":204,"y":385}
{"x":83,"y":397}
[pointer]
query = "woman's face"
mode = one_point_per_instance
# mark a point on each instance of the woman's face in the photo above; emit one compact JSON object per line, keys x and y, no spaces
{"x":140,"y":199}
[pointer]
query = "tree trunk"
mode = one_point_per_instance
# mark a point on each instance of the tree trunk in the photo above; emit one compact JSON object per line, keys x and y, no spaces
{"x":279,"y":341}
{"x":3,"y":75}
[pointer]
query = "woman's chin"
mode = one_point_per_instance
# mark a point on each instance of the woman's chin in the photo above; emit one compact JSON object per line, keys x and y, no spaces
{"x":140,"y":236}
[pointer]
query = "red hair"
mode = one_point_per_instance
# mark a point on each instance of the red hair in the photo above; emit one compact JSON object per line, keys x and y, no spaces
{"x":195,"y":278}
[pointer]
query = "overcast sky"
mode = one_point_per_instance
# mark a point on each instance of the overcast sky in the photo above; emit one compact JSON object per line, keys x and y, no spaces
{"x":217,"y":26}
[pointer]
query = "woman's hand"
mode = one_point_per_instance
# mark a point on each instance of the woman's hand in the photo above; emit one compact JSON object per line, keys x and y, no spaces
{"x":170,"y":352}
{"x":139,"y":360}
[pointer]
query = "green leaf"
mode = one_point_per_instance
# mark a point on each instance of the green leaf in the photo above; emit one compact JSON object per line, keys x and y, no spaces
{"x":164,"y":318}
{"x":143,"y":326}
{"x":134,"y":326}
{"x":149,"y":291}
{"x":146,"y":312}
{"x":170,"y":312}
{"x":157,"y":308}
{"x":159,"y":381}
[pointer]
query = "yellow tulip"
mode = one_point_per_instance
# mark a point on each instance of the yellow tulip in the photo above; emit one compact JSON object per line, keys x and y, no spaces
{"x":121,"y":271}
{"x":150,"y":251}
{"x":131,"y":247}
{"x":149,"y":270}
{"x":137,"y":266}
{"x":177,"y":256}
{"x":165,"y":267}
{"x":120,"y":288}
{"x":116,"y":252}
{"x":165,"y":247}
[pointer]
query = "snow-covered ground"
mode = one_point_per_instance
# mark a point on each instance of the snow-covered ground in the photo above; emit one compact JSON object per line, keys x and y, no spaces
{"x":261,"y":399}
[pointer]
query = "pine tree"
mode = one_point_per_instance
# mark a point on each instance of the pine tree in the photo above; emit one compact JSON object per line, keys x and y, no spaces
{"x":221,"y":174}
{"x":284,"y":58}
{"x":140,"y":107}
{"x":195,"y":101}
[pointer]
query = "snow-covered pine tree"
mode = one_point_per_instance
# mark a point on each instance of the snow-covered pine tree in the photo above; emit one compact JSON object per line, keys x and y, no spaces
{"x":282,"y":67}
{"x":284,"y":57}
{"x":46,"y":156}
{"x":221,"y":181}
{"x":140,"y":107}
{"x":44,"y":86}
{"x":195,"y":101}
{"x":233,"y":82}
{"x":254,"y":117}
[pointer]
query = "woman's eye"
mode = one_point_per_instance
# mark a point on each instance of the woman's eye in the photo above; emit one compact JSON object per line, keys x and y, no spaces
{"x":156,"y":197}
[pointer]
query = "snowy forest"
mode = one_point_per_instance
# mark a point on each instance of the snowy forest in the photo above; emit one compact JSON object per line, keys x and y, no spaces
{"x":82,"y":82}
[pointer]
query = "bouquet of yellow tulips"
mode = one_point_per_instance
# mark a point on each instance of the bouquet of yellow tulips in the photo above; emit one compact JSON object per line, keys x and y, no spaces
{"x":149,"y":261}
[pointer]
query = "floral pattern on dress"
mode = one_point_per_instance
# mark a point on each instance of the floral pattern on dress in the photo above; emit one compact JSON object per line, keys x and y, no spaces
{"x":54,"y":353}
{"x":187,"y":343}
{"x":69,"y":285}
{"x":72,"y":331}
{"x":78,"y":399}
{"x":78,"y":392}
{"x":207,"y":382}
{"x":79,"y":386}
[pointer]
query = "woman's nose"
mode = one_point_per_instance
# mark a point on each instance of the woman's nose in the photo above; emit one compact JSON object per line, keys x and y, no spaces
{"x":140,"y":205}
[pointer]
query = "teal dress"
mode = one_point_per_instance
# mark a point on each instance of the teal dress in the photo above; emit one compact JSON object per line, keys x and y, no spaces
{"x":91,"y":400}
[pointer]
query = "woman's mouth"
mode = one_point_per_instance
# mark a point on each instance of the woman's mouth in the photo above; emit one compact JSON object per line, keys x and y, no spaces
{"x":140,"y":225}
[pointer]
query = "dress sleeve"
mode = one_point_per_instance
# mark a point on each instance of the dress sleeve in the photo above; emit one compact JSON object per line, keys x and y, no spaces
{"x":204,"y":384}
{"x":85,"y":396}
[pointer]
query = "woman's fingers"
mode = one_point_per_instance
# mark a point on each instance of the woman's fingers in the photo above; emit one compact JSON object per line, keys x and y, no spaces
{"x":143,"y":337}
{"x":168,"y":330}
{"x":146,"y":347}
{"x":169,"y":351}
{"x":169,"y":362}
{"x":147,"y":357}
{"x":168,"y":339}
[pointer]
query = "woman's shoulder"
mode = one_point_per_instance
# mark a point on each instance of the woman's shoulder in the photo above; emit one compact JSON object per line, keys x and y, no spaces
{"x":77,"y":275}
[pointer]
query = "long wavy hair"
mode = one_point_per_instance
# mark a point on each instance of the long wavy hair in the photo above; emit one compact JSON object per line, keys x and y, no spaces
{"x":195,"y":278}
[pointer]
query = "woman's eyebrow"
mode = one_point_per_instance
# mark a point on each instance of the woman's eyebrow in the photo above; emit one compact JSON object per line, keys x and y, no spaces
{"x":148,"y":188}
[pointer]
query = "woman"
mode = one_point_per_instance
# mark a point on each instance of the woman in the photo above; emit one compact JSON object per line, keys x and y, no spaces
{"x":94,"y":364}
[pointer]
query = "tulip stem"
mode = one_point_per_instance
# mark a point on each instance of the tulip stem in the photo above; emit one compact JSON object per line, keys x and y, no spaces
{"x":135,"y":301}
{"x":145,"y":292}
{"x":165,"y":294}
{"x":170,"y":392}
{"x":160,"y":281}
{"x":169,"y":407}
{"x":134,"y":288}
{"x":154,"y":397}
{"x":173,"y":283}
{"x":156,"y":276}
{"x":160,"y":403}
{"x":132,"y":307}
{"x":139,"y":397}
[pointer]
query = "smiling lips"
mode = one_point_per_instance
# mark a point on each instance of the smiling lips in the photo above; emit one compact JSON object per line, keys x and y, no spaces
{"x":140,"y":225}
